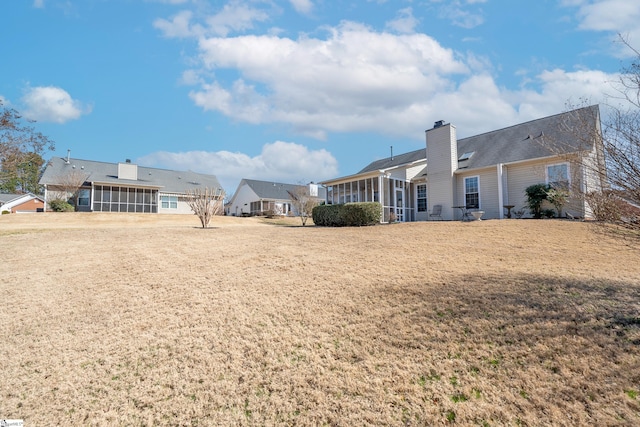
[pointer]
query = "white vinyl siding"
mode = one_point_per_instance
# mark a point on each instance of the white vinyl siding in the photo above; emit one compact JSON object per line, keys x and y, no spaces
{"x":488,"y":183}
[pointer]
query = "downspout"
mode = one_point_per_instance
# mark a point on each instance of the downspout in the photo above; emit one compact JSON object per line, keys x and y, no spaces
{"x":500,"y":190}
{"x":92,"y":193}
{"x":381,"y":197}
{"x":45,"y":197}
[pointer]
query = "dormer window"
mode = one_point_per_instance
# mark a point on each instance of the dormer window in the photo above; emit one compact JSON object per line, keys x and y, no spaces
{"x":466,"y":156}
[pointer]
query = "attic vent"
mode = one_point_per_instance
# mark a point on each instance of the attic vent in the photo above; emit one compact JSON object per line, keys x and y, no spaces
{"x":438,"y":124}
{"x":466,"y":156}
{"x":194,"y":183}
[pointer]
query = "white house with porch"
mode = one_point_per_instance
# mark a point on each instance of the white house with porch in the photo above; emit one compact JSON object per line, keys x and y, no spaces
{"x":255,"y":197}
{"x":487,"y":172}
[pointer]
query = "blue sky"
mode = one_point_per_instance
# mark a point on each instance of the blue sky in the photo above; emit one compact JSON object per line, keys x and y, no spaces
{"x":297,"y":90}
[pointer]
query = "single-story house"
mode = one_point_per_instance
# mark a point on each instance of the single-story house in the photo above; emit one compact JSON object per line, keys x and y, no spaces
{"x":21,"y":203}
{"x":253,"y":197}
{"x":122,"y":187}
{"x":487,"y":172}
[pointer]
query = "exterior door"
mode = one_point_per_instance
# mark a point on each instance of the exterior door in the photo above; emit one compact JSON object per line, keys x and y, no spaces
{"x":399,"y":205}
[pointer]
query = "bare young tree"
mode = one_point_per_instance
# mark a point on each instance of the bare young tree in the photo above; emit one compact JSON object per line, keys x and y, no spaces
{"x":67,"y":186}
{"x":205,"y":203}
{"x":614,"y":166}
{"x":303,"y":202}
{"x":622,"y":132}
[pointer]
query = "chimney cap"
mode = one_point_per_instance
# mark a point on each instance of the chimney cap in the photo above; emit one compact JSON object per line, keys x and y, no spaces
{"x":127,"y":161}
{"x":438,"y":123}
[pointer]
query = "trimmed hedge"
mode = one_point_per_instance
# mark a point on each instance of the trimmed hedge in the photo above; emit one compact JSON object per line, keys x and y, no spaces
{"x":347,"y":215}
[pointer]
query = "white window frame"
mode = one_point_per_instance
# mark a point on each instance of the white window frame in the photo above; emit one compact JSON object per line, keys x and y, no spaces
{"x":477,"y":177}
{"x":546,"y":171}
{"x":418,"y":198}
{"x":171,"y":201}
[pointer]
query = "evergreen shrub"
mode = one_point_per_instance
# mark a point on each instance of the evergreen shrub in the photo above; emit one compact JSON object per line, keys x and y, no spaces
{"x":347,"y":215}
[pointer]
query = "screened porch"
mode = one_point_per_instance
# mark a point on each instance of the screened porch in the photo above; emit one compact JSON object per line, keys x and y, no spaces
{"x":395,"y":195}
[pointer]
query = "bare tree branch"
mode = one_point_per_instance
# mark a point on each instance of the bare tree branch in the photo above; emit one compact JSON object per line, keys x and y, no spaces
{"x":205,"y":203}
{"x":303,"y":202}
{"x":67,"y":186}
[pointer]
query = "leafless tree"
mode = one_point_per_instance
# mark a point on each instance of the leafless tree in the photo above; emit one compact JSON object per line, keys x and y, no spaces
{"x":205,"y":203}
{"x":622,"y":132}
{"x":67,"y":186}
{"x":303,"y":202}
{"x":615,"y":164}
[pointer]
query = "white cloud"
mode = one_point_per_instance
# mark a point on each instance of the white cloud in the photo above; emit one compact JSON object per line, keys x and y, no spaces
{"x":461,"y":15}
{"x":179,"y":26}
{"x":612,"y":16}
{"x":609,"y":15}
{"x":404,"y":23}
{"x":353,"y":80}
{"x":302,"y":6}
{"x":279,"y":161}
{"x":235,"y":16}
{"x":52,"y":104}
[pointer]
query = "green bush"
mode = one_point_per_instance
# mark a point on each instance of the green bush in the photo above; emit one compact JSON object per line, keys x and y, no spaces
{"x":347,"y":215}
{"x":60,"y":206}
{"x":536,"y":194}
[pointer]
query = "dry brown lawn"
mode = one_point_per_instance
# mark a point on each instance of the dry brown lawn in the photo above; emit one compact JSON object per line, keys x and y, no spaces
{"x":115,"y":319}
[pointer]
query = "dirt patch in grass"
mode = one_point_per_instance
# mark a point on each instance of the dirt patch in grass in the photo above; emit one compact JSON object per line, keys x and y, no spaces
{"x":147,"y":320}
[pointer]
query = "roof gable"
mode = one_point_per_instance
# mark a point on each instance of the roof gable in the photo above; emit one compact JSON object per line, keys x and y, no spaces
{"x":275,"y":190}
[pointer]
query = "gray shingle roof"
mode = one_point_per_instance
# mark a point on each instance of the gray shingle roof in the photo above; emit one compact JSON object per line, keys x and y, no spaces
{"x":400,"y":159}
{"x":167,"y":181}
{"x":7,"y":197}
{"x":534,"y":139}
{"x":276,"y":190}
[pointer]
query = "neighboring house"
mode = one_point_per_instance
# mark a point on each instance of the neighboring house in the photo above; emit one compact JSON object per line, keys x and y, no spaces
{"x":253,"y":197}
{"x":486,"y":172}
{"x":21,"y":203}
{"x":123,"y":187}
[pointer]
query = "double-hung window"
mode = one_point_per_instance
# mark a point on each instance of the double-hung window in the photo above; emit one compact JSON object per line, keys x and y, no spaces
{"x":169,"y":202}
{"x":472,"y":192}
{"x":558,"y":175}
{"x":421,"y":192}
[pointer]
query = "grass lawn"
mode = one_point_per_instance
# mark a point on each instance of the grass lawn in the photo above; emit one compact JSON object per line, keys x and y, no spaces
{"x":117,"y":319}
